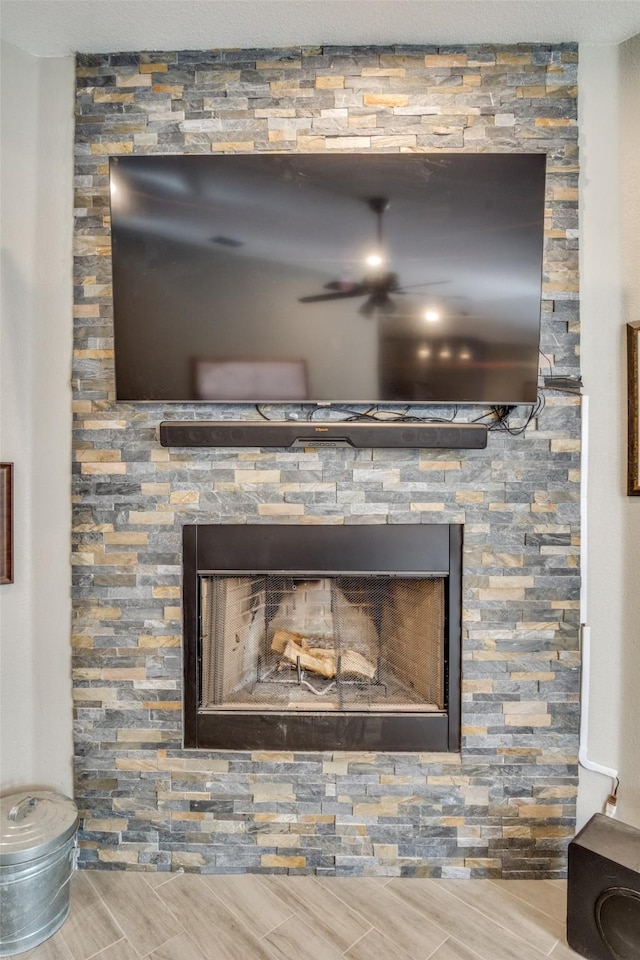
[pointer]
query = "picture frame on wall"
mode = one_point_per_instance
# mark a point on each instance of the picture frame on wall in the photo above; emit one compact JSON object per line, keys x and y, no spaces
{"x":6,"y":523}
{"x":633,"y":386}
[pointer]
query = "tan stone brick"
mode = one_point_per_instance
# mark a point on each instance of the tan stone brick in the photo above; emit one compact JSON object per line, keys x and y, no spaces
{"x":273,"y":792}
{"x":86,"y":310}
{"x":174,"y":90}
{"x":531,"y":92}
{"x":133,"y":764}
{"x":101,"y":468}
{"x":427,"y":507}
{"x":540,"y":811}
{"x":519,"y":831}
{"x":384,"y":72}
{"x":172,"y":613}
{"x":134,"y":80}
{"x":97,"y":456}
{"x":387,"y":807}
{"x":280,"y":509}
{"x":364,"y":120}
{"x":565,"y":445}
{"x":506,"y":581}
{"x":184,"y":496}
{"x":233,"y":146}
{"x":274,"y":860}
{"x":501,"y":593}
{"x":329,"y":83}
{"x":123,"y":673}
{"x":100,"y":96}
{"x":554,"y":122}
{"x":105,"y":424}
{"x":257,"y":476}
{"x":187,"y":859}
{"x":477,"y":686}
{"x":523,"y":706}
{"x":289,"y":89}
{"x":148,"y":641}
{"x":112,"y":147}
{"x":385,"y":100}
{"x":278,"y":839}
{"x":272,"y":756}
{"x":126,"y":539}
{"x":101,"y":613}
{"x":116,"y":559}
{"x":314,"y":144}
{"x":527,"y":720}
{"x":469,"y":496}
{"x":167,"y":593}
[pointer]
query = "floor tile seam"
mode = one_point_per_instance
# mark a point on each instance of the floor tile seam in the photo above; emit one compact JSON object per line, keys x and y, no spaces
{"x":296,"y":916}
{"x":161,"y":903}
{"x":65,"y":945}
{"x":479,"y":912}
{"x":171,"y":875}
{"x":254,"y":936}
{"x":106,"y":907}
{"x":265,"y":942}
{"x":407,"y":906}
{"x":498,"y":923}
{"x":461,"y":943}
{"x":92,"y":956}
{"x":303,"y":917}
{"x":512,"y":893}
{"x":239,"y":918}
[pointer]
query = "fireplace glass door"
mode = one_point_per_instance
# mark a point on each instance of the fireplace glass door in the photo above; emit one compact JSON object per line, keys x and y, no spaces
{"x":326,"y":643}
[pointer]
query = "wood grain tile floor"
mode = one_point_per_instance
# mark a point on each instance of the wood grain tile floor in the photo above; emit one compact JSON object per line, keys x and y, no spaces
{"x":126,"y":916}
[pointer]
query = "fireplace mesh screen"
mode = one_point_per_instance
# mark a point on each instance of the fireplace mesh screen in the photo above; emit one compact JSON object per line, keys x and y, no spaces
{"x":328,"y":643}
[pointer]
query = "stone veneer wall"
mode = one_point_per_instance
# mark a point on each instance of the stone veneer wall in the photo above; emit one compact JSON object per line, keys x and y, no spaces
{"x":505,"y":806}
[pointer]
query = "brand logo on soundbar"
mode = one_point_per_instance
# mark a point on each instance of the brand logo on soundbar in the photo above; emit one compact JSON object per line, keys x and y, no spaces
{"x":321,"y":429}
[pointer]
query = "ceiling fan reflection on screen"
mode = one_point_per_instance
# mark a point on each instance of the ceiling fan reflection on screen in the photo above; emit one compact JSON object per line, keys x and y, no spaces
{"x":375,"y":286}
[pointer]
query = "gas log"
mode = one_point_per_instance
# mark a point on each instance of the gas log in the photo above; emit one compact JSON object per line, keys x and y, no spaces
{"x":296,"y":648}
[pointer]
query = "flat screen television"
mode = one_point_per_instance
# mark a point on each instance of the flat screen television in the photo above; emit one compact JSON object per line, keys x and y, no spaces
{"x":315,"y":278}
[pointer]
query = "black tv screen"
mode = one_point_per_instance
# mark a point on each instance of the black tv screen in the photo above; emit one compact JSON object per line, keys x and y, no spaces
{"x":347,"y":278}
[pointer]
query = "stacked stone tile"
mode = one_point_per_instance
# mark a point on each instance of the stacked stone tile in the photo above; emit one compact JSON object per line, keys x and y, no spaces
{"x":505,"y":806}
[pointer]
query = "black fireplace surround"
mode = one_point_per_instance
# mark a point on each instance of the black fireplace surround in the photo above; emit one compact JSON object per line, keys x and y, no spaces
{"x":400,"y":552}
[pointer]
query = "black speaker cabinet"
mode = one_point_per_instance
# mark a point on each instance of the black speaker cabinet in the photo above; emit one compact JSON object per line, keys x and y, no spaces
{"x":603,"y":909}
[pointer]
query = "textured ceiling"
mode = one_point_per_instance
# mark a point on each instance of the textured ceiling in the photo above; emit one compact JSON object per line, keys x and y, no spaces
{"x":60,"y":27}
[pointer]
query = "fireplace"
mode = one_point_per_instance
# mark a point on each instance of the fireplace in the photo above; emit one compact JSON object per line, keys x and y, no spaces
{"x":322,"y":637}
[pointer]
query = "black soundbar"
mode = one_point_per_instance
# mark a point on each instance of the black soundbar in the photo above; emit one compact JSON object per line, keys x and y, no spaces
{"x":292,"y":433}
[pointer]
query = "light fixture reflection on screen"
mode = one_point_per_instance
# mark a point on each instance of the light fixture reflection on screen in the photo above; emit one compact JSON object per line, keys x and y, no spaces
{"x":431,"y":315}
{"x":424,"y":353}
{"x":374,"y":260}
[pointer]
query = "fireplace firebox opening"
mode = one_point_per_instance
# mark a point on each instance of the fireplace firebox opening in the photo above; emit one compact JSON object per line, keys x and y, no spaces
{"x":318,"y":638}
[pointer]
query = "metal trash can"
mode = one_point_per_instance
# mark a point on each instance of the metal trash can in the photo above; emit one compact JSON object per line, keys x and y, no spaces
{"x":37,"y":853}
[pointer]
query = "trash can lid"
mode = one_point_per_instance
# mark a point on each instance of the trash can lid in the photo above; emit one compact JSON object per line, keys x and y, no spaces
{"x":33,"y":824}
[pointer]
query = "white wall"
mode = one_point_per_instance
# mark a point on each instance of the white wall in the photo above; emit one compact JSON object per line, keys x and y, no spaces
{"x":35,"y":406}
{"x":610,"y":295}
